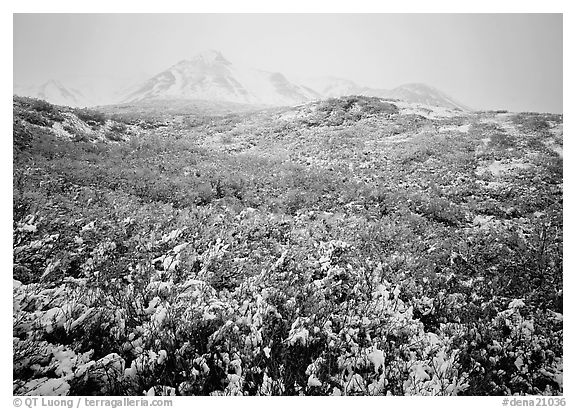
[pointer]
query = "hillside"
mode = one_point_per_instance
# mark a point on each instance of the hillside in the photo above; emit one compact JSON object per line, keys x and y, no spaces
{"x":347,"y":246}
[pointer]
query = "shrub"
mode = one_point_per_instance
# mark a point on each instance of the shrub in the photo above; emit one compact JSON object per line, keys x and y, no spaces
{"x":47,"y":109}
{"x":22,"y":137}
{"x":115,"y":131}
{"x":531,"y":122}
{"x":126,"y":118}
{"x":91,"y":117}
{"x":42,"y":106}
{"x":502,"y":140}
{"x":337,"y":111}
{"x":118,"y":127}
{"x":35,"y":118}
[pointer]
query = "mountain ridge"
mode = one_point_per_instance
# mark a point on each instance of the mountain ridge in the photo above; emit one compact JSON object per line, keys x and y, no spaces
{"x":210,"y":76}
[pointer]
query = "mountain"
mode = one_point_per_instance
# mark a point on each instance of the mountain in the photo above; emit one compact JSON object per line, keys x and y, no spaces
{"x":54,"y":92}
{"x":106,"y":89}
{"x":82,"y":91}
{"x":329,"y":87}
{"x":210,"y":76}
{"x":423,"y":94}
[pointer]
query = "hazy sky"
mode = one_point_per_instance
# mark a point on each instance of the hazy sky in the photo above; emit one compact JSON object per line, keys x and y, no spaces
{"x":511,"y":61}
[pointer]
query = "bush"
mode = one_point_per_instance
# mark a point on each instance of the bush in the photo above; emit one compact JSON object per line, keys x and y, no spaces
{"x":47,"y":109}
{"x":116,"y":131}
{"x":42,"y":106}
{"x":337,"y":111}
{"x":91,"y":117}
{"x":118,"y":127}
{"x":532,"y":123}
{"x":22,"y":137}
{"x":502,"y":141}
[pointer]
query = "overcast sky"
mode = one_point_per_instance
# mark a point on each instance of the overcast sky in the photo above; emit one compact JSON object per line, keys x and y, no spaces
{"x":486,"y":61}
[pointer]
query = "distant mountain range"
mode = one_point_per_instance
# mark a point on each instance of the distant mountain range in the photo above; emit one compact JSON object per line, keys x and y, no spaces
{"x":414,"y":93}
{"x":52,"y":91}
{"x":209,"y":76}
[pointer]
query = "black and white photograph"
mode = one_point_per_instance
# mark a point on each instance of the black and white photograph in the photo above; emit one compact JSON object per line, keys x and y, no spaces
{"x":287,"y":204}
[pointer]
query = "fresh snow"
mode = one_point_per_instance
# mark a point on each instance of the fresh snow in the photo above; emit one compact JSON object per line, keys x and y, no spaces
{"x":377,"y":359}
{"x":210,"y":76}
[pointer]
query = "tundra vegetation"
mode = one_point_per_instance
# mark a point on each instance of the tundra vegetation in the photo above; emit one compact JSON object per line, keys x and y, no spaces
{"x":350,"y":246}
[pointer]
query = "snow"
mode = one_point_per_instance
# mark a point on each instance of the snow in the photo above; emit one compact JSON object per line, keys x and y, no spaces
{"x":30,"y":228}
{"x":482,"y":220}
{"x":152,"y":305}
{"x":87,"y":227}
{"x":427,"y":111}
{"x":80,"y":320}
{"x":420,"y":373}
{"x":52,"y":318}
{"x":556,"y":316}
{"x":180,"y":247}
{"x":66,"y":361}
{"x":113,"y":361}
{"x":457,"y":128}
{"x":47,"y":387}
{"x":131,"y":372}
{"x":555,"y":147}
{"x":498,"y":168}
{"x":169,"y":263}
{"x":209,"y":57}
{"x":331,"y":86}
{"x":433,"y":339}
{"x":356,"y":384}
{"x":209,"y":76}
{"x":426,"y":95}
{"x":300,"y":335}
{"x":377,"y":359}
{"x":159,"y":316}
{"x":160,"y":287}
{"x":207,"y":316}
{"x":162,"y":356}
{"x":194,"y":283}
{"x":516,"y":304}
{"x":172,"y":235}
{"x":313,"y":381}
{"x":55,"y":92}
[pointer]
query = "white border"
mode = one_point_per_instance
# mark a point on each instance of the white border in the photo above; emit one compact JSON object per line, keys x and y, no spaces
{"x":297,"y":6}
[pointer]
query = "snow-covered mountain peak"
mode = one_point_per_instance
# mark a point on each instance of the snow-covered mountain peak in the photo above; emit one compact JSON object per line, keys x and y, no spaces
{"x":53,"y":83}
{"x":333,"y":87}
{"x":210,"y":76}
{"x":53,"y":91}
{"x":209,"y":57}
{"x":418,"y":88}
{"x":425,"y":94}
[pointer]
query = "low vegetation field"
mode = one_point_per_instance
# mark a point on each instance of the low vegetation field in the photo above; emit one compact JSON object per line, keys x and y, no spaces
{"x":350,"y":246}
